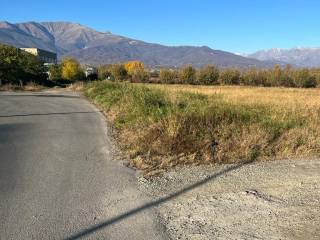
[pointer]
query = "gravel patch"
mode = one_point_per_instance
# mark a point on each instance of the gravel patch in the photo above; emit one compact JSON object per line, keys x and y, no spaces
{"x":265,"y":200}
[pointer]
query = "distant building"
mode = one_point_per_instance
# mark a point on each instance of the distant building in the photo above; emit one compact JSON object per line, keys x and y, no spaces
{"x":91,"y":72}
{"x":45,"y":56}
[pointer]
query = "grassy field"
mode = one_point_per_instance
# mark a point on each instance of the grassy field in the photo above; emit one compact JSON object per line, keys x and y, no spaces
{"x":161,"y":126}
{"x":288,"y":97}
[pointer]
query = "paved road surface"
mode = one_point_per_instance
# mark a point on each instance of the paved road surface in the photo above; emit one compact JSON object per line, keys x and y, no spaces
{"x":57,"y":176}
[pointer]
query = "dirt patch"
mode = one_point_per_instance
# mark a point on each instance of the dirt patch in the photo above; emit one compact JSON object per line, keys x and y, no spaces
{"x":266,"y":200}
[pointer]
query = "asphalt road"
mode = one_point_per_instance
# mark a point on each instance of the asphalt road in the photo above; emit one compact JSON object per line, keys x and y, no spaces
{"x":58,"y":179}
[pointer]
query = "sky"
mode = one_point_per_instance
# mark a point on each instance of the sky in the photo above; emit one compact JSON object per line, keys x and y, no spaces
{"x":239,"y":26}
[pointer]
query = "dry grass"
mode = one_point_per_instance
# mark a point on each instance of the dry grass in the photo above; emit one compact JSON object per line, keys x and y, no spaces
{"x":76,"y":86}
{"x":32,"y":87}
{"x":161,"y":126}
{"x":283,"y":97}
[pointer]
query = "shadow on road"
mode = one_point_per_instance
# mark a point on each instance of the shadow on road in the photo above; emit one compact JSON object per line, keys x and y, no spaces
{"x":92,"y":229}
{"x":46,"y":114}
{"x":39,"y":95}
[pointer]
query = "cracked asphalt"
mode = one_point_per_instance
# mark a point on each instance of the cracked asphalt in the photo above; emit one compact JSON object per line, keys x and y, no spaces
{"x":58,"y":179}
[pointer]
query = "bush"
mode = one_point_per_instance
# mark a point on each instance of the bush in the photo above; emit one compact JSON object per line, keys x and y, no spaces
{"x":208,"y":75}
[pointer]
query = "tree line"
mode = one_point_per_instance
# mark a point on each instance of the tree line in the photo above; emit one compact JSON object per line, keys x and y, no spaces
{"x":19,"y":67}
{"x":210,"y":75}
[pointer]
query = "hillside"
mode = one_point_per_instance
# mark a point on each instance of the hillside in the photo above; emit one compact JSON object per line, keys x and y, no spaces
{"x":94,"y":47}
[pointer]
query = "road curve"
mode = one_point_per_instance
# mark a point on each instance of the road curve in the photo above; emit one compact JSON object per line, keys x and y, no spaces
{"x":58,"y":179}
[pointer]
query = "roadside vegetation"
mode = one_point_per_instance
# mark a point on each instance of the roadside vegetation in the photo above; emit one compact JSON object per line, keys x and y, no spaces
{"x":161,"y":126}
{"x":18,"y":67}
{"x":20,"y":70}
{"x":191,"y":117}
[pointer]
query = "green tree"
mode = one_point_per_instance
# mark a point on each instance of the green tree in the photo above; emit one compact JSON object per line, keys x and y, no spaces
{"x":18,"y":66}
{"x":208,"y":75}
{"x":55,"y":73}
{"x":188,"y":75}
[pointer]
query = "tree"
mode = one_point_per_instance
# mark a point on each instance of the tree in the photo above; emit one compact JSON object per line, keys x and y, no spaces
{"x":134,"y":66}
{"x":118,"y":72}
{"x":18,"y":66}
{"x":55,"y":73}
{"x":188,"y":75}
{"x":136,"y":71}
{"x":167,"y":76}
{"x":303,"y":78}
{"x":71,"y":70}
{"x":252,"y":77}
{"x":208,"y":75}
{"x":104,"y":72}
{"x":287,"y":79}
{"x":230,"y":77}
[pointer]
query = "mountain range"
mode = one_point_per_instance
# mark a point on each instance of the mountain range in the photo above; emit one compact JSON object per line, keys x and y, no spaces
{"x":93,"y":47}
{"x":299,"y":57}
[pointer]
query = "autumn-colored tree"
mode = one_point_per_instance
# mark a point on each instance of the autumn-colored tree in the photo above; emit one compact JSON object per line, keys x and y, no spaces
{"x":136,"y":71}
{"x":208,"y":75}
{"x":168,"y":76}
{"x":71,"y":70}
{"x":303,"y":78}
{"x":104,"y":72}
{"x":316,"y":73}
{"x":229,"y":77}
{"x":188,"y":75}
{"x":253,"y":77}
{"x":134,"y":66}
{"x":118,"y":72}
{"x":287,"y":77}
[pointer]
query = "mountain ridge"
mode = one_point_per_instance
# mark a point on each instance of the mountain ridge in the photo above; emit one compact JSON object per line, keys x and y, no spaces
{"x":94,"y":47}
{"x":298,"y":56}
